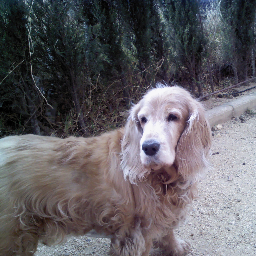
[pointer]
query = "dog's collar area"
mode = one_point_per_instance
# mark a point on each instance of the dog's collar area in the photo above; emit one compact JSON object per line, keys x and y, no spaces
{"x":167,"y":182}
{"x":164,"y":178}
{"x":171,"y":181}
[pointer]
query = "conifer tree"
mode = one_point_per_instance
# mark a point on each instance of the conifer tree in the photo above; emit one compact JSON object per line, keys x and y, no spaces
{"x":189,"y":40}
{"x":239,"y":16}
{"x":59,"y":34}
{"x":17,"y":87}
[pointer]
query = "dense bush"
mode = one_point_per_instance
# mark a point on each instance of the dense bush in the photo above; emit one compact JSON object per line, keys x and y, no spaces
{"x":75,"y":66}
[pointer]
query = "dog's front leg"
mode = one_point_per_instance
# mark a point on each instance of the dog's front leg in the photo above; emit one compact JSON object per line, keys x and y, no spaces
{"x":130,"y":242}
{"x":148,"y":246}
{"x":128,"y":246}
{"x":171,"y":245}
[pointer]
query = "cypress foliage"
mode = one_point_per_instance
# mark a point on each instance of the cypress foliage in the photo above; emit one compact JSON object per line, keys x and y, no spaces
{"x":239,"y":16}
{"x":19,"y":97}
{"x":189,"y":39}
{"x":59,"y":32}
{"x":150,"y":38}
{"x":140,"y":20}
{"x":90,"y":58}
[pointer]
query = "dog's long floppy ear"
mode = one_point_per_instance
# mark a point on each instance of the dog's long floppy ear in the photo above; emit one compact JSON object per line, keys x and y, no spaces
{"x":130,"y":162}
{"x":194,"y":144}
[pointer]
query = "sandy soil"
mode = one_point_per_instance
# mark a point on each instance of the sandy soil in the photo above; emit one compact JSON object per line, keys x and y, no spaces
{"x":223,"y":218}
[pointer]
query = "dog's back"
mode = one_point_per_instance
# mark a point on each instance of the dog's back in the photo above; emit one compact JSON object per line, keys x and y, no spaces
{"x":50,"y":187}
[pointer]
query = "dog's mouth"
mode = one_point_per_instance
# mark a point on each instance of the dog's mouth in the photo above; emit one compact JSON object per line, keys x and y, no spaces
{"x":155,"y":167}
{"x":152,"y":163}
{"x":155,"y":163}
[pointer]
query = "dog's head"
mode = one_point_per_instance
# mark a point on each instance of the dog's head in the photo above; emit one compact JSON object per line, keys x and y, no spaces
{"x":166,"y":127}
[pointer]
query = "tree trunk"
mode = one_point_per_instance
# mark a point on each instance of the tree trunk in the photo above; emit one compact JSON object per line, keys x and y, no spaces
{"x":235,"y":70}
{"x":253,"y":62}
{"x":32,"y":110}
{"x":125,"y":90}
{"x":79,"y":112}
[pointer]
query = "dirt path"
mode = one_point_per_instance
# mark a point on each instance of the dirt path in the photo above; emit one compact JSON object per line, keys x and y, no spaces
{"x":223,"y":220}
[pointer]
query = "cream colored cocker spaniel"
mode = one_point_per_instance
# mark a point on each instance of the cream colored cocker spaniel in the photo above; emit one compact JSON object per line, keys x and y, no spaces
{"x":134,"y":183}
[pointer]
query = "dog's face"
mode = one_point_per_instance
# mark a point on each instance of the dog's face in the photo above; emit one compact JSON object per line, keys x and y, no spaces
{"x":161,"y":119}
{"x":166,"y":127}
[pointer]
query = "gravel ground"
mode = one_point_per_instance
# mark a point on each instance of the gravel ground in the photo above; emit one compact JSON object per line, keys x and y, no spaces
{"x":223,"y":218}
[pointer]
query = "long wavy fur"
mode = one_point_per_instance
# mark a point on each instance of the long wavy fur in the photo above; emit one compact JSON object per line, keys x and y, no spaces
{"x":51,"y":187}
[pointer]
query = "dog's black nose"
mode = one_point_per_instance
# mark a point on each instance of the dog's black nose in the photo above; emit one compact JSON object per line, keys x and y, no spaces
{"x":150,"y":147}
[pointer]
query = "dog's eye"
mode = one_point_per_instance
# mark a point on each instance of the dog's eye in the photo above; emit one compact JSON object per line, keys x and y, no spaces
{"x":172,"y":117}
{"x":143,"y":120}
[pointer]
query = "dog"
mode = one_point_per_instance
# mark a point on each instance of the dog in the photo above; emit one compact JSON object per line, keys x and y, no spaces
{"x":134,"y":184}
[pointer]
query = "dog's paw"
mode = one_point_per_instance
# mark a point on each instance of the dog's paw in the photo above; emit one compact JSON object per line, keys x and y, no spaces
{"x":180,"y":248}
{"x":131,"y":244}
